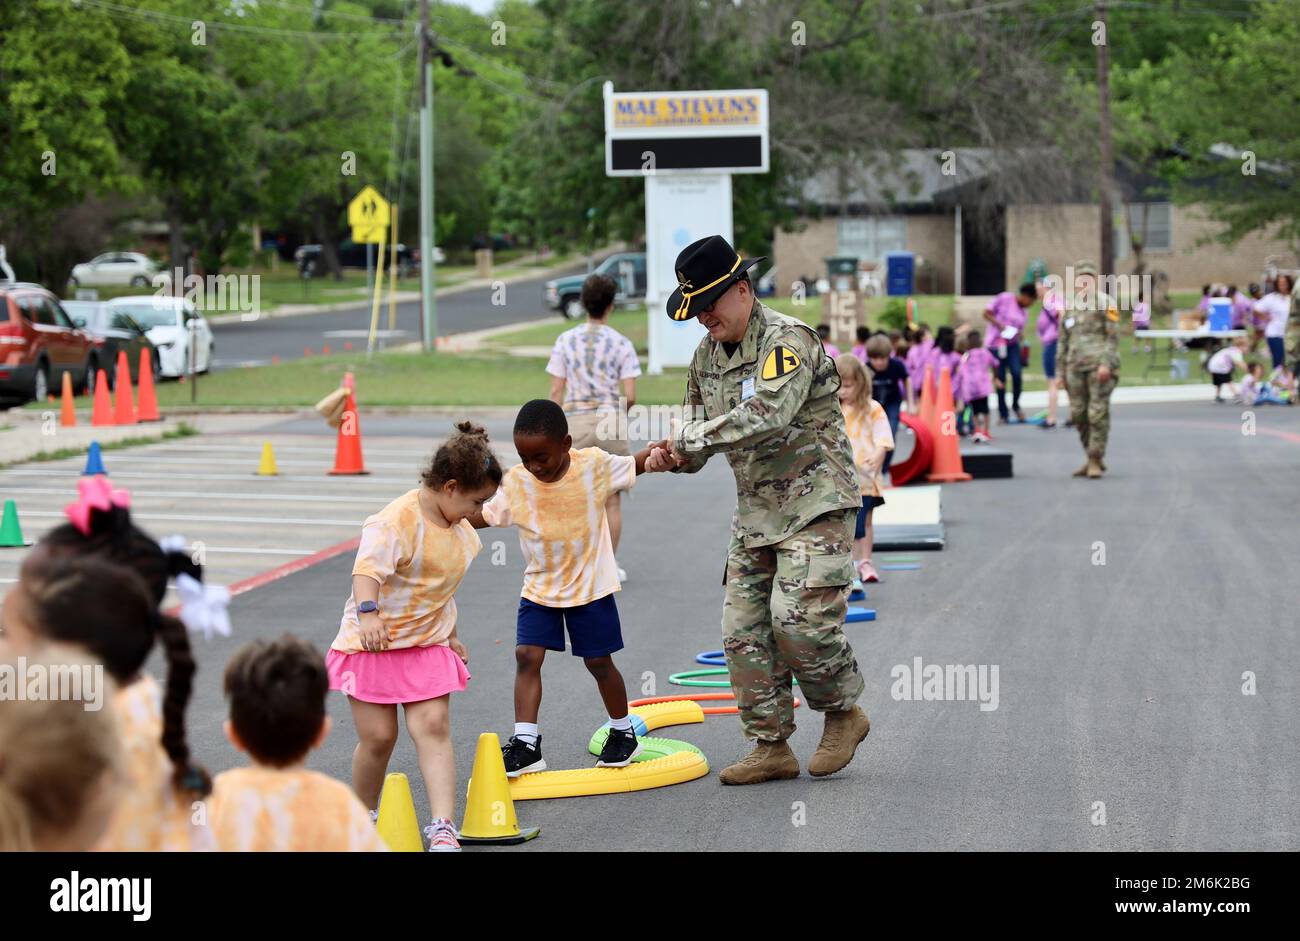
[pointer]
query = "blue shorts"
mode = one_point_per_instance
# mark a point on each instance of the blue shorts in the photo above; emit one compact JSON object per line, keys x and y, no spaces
{"x":1049,"y":360}
{"x":594,"y":630}
{"x":868,"y":504}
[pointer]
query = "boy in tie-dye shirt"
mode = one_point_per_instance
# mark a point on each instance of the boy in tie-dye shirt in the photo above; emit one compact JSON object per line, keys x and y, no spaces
{"x":556,"y":496}
{"x":277,"y":693}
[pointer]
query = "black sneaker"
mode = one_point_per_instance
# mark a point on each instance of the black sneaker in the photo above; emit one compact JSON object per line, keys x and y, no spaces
{"x":522,"y":757}
{"x":620,"y":748}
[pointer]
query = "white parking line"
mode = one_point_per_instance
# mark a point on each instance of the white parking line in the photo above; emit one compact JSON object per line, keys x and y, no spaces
{"x":233,"y":462}
{"x":204,"y":495}
{"x":180,"y":475}
{"x":255,"y":448}
{"x":188,"y":518}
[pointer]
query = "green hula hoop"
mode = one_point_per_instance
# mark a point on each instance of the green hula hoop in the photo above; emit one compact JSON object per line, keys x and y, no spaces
{"x":692,"y":678}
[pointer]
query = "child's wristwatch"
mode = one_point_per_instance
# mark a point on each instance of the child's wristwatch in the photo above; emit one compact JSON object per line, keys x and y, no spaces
{"x":367,"y":607}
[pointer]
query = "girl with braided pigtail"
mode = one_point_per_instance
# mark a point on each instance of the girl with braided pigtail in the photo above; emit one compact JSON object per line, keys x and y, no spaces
{"x":98,"y":582}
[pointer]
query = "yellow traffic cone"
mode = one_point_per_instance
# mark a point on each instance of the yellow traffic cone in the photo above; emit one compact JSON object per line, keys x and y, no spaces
{"x":266,"y":467}
{"x":397,"y":823}
{"x":489,"y":811}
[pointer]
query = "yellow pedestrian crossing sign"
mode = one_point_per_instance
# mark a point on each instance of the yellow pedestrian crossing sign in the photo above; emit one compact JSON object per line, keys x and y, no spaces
{"x":369,"y":214}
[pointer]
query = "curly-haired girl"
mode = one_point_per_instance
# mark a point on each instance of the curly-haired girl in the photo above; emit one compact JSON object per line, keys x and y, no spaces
{"x":397,"y":642}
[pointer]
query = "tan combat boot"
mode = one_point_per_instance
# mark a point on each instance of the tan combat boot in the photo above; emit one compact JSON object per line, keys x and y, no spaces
{"x":840,"y":739}
{"x":1094,"y":469}
{"x":769,"y":761}
{"x":1082,"y":471}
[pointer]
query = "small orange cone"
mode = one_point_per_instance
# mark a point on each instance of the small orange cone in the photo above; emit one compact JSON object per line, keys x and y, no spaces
{"x":69,"y":417}
{"x":148,"y":410}
{"x":927,"y":399}
{"x":124,"y":407}
{"x":102,"y":412}
{"x":306,"y":351}
{"x":947,"y":452}
{"x":325,"y":350}
{"x":347,"y":453}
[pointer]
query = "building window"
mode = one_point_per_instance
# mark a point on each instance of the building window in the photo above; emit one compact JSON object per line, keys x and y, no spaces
{"x":1152,"y":223}
{"x":869,"y":238}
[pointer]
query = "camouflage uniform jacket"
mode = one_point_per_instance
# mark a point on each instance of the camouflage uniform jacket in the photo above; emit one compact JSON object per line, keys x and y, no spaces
{"x":1089,"y":338}
{"x":772,"y":408}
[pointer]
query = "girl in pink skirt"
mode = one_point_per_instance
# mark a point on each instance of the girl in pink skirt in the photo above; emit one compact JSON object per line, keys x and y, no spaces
{"x":398,"y":642}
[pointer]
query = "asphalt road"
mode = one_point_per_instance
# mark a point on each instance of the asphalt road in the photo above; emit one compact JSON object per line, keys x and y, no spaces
{"x":1120,"y":684}
{"x":244,"y":344}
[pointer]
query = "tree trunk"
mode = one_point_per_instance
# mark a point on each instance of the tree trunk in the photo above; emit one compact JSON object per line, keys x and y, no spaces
{"x":176,"y":248}
{"x":324,"y":214}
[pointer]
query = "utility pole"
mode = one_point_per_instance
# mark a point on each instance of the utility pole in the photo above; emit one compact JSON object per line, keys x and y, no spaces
{"x":428,"y":299}
{"x":1106,"y":180}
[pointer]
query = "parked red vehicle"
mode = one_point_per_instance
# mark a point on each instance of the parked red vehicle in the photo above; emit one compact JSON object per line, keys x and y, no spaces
{"x":38,"y":344}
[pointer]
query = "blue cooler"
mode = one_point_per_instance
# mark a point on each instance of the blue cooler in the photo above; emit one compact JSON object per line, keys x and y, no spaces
{"x":900,"y":270}
{"x":1220,"y":313}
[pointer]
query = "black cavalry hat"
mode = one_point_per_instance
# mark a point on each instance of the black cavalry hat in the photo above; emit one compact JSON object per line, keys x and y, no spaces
{"x":705,"y":271}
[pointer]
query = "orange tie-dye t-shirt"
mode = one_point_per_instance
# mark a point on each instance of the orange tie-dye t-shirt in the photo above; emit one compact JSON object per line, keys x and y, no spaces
{"x":152,"y":815}
{"x":274,"y":810}
{"x":868,"y":429}
{"x":562,"y":526}
{"x":418,"y":566}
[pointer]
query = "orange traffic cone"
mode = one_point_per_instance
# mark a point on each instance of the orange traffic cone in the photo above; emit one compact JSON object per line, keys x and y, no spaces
{"x":947,"y":453}
{"x":102,"y":412}
{"x":148,"y":410}
{"x":69,"y":417}
{"x":927,"y":399}
{"x":347,"y":453}
{"x":325,"y":350}
{"x":124,"y":407}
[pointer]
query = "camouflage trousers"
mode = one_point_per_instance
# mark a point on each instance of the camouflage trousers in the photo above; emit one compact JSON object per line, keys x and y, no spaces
{"x":783,"y":619}
{"x":1090,"y":408}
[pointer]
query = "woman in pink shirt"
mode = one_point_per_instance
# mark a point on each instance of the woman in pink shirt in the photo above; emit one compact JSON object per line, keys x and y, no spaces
{"x":1049,"y":328}
{"x":1006,"y":317}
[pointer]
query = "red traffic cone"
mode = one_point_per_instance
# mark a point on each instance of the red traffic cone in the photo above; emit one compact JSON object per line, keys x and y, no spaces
{"x":102,"y":411}
{"x":148,"y":400}
{"x":68,"y":418}
{"x":124,"y":407}
{"x":347,"y":453}
{"x":947,"y":451}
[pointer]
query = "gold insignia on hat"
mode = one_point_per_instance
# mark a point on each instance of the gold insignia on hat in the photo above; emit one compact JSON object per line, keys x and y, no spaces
{"x":779,"y":362}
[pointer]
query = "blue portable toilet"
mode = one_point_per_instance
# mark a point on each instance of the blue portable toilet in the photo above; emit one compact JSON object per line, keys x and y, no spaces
{"x":1220,"y":313}
{"x":900,"y":273}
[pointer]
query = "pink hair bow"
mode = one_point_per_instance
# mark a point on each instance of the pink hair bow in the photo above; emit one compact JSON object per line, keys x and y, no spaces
{"x":96,"y":493}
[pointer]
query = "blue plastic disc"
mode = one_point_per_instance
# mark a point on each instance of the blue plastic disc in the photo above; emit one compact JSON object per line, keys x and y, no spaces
{"x":859,"y":614}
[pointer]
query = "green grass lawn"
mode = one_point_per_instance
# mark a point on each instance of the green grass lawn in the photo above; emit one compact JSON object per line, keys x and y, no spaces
{"x":396,"y":379}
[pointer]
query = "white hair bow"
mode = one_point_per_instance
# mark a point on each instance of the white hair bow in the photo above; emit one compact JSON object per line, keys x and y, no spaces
{"x":204,"y":607}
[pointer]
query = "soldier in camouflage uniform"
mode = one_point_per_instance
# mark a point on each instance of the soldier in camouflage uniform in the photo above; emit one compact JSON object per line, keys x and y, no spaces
{"x":1087,"y":355}
{"x":761,"y":390}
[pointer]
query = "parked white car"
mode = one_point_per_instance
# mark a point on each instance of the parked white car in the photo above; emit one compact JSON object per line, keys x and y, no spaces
{"x":169,"y":322}
{"x":115,"y":268}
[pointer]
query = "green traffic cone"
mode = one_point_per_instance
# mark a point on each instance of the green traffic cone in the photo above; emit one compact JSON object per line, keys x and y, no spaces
{"x":11,"y":531}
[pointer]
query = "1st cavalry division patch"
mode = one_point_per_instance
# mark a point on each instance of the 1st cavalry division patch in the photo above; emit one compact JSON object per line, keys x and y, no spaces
{"x":781,"y":361}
